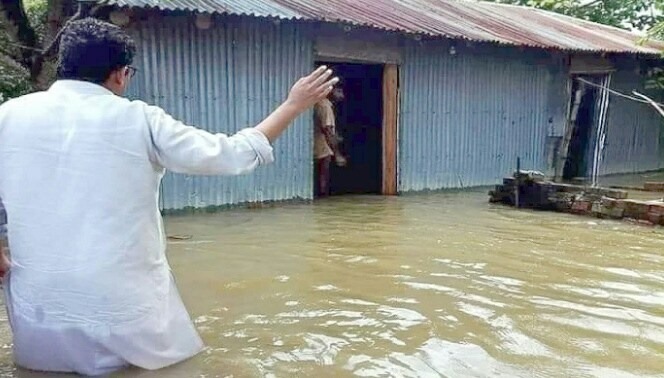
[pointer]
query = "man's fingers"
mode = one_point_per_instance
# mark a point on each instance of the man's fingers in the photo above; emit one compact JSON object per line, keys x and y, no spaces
{"x":329,"y":85}
{"x":322,"y":78}
{"x":325,"y":92}
{"x":316,"y":74}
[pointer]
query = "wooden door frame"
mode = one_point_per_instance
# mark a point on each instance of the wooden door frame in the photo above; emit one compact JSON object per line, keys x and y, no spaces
{"x":577,"y":65}
{"x":390,"y":130}
{"x":390,"y":123}
{"x":572,"y":113}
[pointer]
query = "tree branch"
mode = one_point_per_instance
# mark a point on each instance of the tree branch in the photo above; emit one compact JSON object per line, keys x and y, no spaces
{"x":590,"y":4}
{"x":56,"y":39}
{"x":19,"y":30}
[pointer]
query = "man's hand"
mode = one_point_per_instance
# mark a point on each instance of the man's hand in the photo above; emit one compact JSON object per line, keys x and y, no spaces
{"x":304,"y":94}
{"x":312,"y":88}
{"x":332,"y":140}
{"x":340,"y":160}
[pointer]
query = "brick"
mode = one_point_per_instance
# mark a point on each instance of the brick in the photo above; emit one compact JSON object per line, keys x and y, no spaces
{"x":561,"y":204}
{"x":616,"y":213}
{"x":654,"y":186}
{"x":616,"y":193}
{"x":581,"y":206}
{"x":564,"y":207}
{"x":609,"y":208}
{"x":596,"y":207}
{"x":609,"y":202}
{"x":656,"y":214}
{"x":610,"y":193}
{"x":657,"y":208}
{"x":654,"y":218}
{"x":636,"y":209}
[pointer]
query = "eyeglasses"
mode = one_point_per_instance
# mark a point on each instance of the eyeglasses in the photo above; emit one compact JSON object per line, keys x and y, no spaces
{"x":131,"y":71}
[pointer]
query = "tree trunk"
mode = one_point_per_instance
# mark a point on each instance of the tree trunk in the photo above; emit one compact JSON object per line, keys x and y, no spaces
{"x":33,"y":52}
{"x":59,"y":11}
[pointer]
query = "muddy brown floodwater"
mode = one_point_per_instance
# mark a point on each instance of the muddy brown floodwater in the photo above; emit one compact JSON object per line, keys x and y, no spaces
{"x":428,"y":285}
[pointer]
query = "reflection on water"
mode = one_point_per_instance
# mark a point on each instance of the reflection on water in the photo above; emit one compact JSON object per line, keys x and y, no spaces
{"x":416,"y":286}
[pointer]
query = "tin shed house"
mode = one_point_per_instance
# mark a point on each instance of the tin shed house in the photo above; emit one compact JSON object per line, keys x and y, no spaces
{"x":439,"y":94}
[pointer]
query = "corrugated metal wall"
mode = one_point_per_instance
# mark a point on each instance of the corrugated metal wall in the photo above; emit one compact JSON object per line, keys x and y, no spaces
{"x":224,"y":79}
{"x":634,"y":136}
{"x":466,"y":117}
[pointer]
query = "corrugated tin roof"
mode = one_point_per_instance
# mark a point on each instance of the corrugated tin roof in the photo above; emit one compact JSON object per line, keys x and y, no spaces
{"x":475,"y":21}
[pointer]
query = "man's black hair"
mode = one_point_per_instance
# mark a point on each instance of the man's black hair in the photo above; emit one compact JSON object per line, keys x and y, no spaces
{"x":90,"y":50}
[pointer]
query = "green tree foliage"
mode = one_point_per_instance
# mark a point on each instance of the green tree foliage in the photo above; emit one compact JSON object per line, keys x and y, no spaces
{"x":638,"y":15}
{"x":626,"y":14}
{"x":27,"y":28}
{"x":15,"y":77}
{"x":13,"y":81}
{"x":657,"y":80}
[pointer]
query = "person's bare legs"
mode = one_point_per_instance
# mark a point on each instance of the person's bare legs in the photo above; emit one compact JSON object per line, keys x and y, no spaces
{"x":324,"y":176}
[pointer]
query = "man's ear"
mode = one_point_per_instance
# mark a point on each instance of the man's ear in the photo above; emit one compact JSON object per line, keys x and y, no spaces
{"x":119,"y":76}
{"x":116,"y":81}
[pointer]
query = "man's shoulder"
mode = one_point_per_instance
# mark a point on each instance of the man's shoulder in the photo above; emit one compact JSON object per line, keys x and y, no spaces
{"x":136,"y":108}
{"x":23,"y":100}
{"x":131,"y":103}
{"x":37,"y":100}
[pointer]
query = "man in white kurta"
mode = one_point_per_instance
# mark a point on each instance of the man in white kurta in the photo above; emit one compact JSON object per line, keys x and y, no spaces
{"x":90,"y":289}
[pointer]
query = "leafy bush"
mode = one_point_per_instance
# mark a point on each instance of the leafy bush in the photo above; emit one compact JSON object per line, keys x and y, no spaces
{"x":15,"y":79}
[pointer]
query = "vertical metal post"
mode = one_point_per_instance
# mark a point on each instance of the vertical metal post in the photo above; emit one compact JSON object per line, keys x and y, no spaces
{"x":517,"y":182}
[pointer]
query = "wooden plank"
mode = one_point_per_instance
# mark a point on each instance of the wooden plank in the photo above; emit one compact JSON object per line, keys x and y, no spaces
{"x":390,"y":128}
{"x":588,"y":65}
{"x":570,"y":123}
{"x":332,"y":43}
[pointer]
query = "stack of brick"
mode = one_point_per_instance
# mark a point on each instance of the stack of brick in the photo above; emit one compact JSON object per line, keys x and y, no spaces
{"x":535,"y":193}
{"x":653,"y":187}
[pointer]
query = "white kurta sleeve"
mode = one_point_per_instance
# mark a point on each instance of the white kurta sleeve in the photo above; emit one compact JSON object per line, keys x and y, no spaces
{"x":186,"y":149}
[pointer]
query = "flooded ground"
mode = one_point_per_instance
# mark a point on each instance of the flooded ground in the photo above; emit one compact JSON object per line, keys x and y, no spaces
{"x":423,"y":285}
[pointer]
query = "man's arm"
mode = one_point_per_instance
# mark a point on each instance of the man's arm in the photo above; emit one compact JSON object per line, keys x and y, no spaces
{"x":331,"y":139}
{"x":329,"y":125}
{"x":185,"y":149}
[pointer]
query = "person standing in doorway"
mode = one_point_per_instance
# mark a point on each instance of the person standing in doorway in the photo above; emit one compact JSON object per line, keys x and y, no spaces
{"x":89,"y":289}
{"x":326,"y":141}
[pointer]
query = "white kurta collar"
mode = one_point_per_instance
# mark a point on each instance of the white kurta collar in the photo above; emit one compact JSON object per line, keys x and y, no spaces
{"x":79,"y":87}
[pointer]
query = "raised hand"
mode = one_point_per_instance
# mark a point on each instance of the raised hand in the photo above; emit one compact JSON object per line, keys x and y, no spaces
{"x":312,"y":88}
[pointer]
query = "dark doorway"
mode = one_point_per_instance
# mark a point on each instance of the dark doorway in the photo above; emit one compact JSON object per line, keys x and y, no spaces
{"x":359,"y":124}
{"x":583,"y":120}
